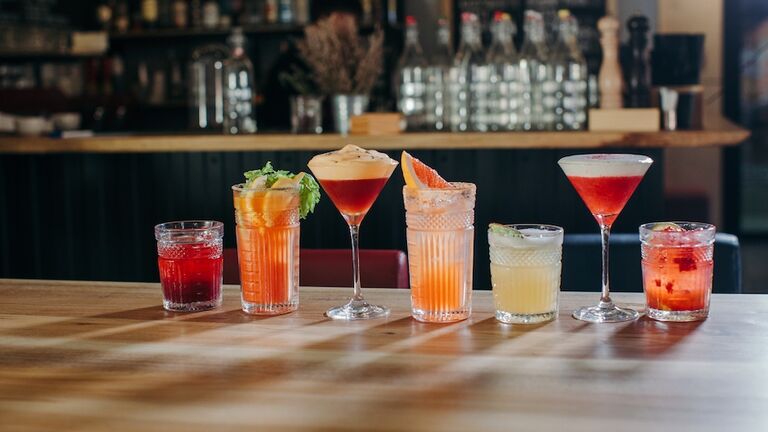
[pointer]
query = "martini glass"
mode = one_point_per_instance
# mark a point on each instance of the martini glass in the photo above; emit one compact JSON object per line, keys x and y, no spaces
{"x":353,"y":177}
{"x":605,"y":182}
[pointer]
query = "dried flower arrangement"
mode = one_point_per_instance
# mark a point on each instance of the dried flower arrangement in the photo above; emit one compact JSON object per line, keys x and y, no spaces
{"x":341,"y":60}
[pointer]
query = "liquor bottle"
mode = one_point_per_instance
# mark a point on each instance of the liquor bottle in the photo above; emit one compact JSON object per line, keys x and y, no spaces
{"x":302,"y":11}
{"x":575,"y":97}
{"x":238,"y":88}
{"x":638,"y":85}
{"x":104,"y":13}
{"x":150,"y":13}
{"x":436,"y":76}
{"x":468,"y":79}
{"x":206,"y":86}
{"x":122,"y":20}
{"x":196,"y":13}
{"x":180,"y":14}
{"x":532,"y":73}
{"x":411,"y":81}
{"x":285,"y":11}
{"x":551,"y":83}
{"x":270,"y":11}
{"x":211,"y":16}
{"x":502,"y":59}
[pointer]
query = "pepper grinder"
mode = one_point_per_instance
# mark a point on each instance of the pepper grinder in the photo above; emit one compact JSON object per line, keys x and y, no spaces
{"x":638,"y":85}
{"x":610,"y":80}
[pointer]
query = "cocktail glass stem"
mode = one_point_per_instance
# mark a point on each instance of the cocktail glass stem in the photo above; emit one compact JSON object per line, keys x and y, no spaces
{"x":605,"y":311}
{"x":605,"y":299}
{"x":356,"y":308}
{"x":354,"y":232}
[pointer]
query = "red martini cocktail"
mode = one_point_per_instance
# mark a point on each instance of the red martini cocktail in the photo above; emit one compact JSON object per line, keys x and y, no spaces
{"x":605,"y":183}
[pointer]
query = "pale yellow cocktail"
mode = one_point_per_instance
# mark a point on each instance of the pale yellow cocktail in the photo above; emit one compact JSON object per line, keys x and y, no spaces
{"x":525,"y":271}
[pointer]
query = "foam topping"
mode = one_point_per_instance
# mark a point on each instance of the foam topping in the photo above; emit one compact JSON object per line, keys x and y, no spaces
{"x":605,"y":165}
{"x":352,"y":163}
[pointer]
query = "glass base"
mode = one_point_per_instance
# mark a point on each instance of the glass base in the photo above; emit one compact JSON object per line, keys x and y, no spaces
{"x":191,"y":307}
{"x":269,"y":309}
{"x":605,"y":313}
{"x":514,"y":318}
{"x":440,"y":317}
{"x":679,"y":316}
{"x":357,"y":310}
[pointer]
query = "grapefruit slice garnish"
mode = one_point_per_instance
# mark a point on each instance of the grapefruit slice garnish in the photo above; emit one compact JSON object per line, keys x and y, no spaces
{"x":419,"y":175}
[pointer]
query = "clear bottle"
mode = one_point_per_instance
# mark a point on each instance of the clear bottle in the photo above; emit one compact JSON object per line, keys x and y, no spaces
{"x":558,"y":60}
{"x":238,"y":88}
{"x":575,"y":94}
{"x":551,"y":79}
{"x":532,"y":62}
{"x":436,"y":74}
{"x":206,"y":87}
{"x":504,"y":70}
{"x":411,"y":79}
{"x":469,"y":80}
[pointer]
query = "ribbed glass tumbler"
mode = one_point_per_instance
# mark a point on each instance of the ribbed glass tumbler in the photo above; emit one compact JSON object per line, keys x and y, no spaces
{"x":440,"y":233}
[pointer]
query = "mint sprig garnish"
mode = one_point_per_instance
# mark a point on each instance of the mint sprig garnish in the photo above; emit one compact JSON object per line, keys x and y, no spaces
{"x":309,"y":190}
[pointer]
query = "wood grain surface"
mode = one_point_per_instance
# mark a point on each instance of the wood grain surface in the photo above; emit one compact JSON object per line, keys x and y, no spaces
{"x":719,"y":132}
{"x":84,"y":356}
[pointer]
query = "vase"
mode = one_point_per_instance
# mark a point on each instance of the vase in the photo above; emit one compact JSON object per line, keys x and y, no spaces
{"x":345,"y":106}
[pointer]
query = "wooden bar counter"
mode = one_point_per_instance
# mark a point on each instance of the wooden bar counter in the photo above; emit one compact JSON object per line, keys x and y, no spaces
{"x":91,"y":356}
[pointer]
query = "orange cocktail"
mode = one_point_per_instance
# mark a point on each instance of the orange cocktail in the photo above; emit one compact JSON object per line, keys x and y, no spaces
{"x":268,"y":207}
{"x":268,"y":248}
{"x":440,"y":231}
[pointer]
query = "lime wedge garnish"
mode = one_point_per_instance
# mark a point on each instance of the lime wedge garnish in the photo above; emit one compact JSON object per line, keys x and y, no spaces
{"x":505,"y":231}
{"x":668,"y":227}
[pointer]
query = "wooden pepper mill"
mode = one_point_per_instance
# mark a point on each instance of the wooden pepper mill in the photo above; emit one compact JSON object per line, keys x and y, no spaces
{"x":610,"y":81}
{"x":638,"y":83}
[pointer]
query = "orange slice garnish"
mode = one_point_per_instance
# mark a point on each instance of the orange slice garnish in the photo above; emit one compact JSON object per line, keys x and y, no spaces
{"x":417,"y":174}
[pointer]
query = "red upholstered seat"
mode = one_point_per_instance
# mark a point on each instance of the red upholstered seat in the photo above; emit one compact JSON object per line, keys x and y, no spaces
{"x":379,"y":268}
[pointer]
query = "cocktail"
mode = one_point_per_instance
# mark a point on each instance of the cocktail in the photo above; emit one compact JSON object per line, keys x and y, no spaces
{"x":677,"y":269}
{"x":440,"y":230}
{"x":353,"y":177}
{"x":525,"y":271}
{"x":189,"y":257}
{"x":268,"y":208}
{"x":605,"y":183}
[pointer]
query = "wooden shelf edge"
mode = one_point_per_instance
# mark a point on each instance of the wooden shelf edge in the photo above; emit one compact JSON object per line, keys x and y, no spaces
{"x":727,"y":135}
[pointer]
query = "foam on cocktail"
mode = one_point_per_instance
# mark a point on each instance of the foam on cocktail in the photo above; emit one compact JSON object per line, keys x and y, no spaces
{"x":605,"y":165}
{"x":352,"y":163}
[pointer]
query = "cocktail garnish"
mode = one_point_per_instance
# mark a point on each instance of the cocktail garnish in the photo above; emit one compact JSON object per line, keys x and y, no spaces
{"x":505,"y":231}
{"x":268,"y":177}
{"x":417,"y":174}
{"x":668,"y":227}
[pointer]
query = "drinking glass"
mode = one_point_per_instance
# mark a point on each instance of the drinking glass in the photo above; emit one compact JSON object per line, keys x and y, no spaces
{"x":306,"y":114}
{"x":525,"y":273}
{"x":440,"y":232}
{"x":189,"y":257}
{"x":268,"y":248}
{"x":677,"y":261}
{"x":353,"y":178}
{"x":605,"y":182}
